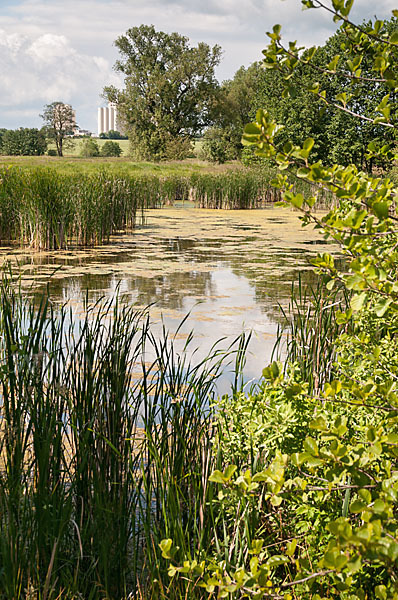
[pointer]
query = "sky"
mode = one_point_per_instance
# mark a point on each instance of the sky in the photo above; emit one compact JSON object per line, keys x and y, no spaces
{"x":62,"y":50}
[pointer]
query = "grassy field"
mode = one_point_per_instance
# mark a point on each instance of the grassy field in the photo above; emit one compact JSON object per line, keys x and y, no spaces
{"x":73,"y":146}
{"x":71,"y":164}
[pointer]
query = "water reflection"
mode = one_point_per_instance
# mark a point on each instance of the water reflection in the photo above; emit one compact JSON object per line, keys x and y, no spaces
{"x":230,"y":269}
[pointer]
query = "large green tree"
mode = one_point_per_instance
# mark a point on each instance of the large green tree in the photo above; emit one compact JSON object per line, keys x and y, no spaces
{"x":169,"y":90}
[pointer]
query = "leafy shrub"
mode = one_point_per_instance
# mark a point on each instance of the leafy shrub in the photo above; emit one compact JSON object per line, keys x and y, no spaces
{"x":319,"y":520}
{"x":89,"y":148}
{"x":218,"y":146}
{"x":52,"y":152}
{"x":111,"y":149}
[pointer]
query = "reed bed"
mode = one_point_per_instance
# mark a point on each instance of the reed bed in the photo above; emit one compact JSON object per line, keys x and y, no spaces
{"x":97,"y":464}
{"x":240,"y":189}
{"x":310,"y":329}
{"x":49,"y":210}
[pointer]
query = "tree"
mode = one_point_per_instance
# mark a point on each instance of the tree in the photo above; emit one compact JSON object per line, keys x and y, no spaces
{"x":89,"y":148}
{"x":222,"y":141}
{"x":111,"y":149}
{"x":169,"y":91}
{"x":23,"y":141}
{"x":59,"y":122}
{"x":112,"y":135}
{"x":323,"y":518}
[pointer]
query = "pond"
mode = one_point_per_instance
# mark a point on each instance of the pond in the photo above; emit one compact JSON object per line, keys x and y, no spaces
{"x":230,"y":270}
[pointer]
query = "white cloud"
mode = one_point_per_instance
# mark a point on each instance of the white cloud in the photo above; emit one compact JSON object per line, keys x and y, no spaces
{"x":48,"y":48}
{"x":45,"y":69}
{"x":56,"y":50}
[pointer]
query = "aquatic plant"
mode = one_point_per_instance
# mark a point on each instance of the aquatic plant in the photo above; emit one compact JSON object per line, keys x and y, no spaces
{"x":104,"y":450}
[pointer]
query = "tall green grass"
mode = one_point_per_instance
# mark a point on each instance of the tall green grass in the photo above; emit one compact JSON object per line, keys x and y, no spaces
{"x":104,"y":451}
{"x":307,"y":336}
{"x":49,"y":209}
{"x":239,"y":189}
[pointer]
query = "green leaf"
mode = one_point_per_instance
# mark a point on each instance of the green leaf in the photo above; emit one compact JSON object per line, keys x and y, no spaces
{"x":165,"y":546}
{"x":308,"y":144}
{"x":358,"y":301}
{"x":252,"y":129}
{"x":357,"y":506}
{"x":319,"y":424}
{"x":382,"y":305}
{"x":291,"y":547}
{"x":311,"y":446}
{"x":380,"y":209}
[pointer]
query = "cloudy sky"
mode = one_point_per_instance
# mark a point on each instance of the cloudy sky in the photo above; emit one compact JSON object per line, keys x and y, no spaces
{"x":63,"y":50}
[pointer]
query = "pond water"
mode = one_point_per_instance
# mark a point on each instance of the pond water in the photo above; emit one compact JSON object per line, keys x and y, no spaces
{"x":230,"y":270}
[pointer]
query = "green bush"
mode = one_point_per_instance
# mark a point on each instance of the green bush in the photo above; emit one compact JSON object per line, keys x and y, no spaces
{"x":89,"y":148}
{"x":218,"y":145}
{"x":309,"y":507}
{"x":111,"y":149}
{"x":52,"y":152}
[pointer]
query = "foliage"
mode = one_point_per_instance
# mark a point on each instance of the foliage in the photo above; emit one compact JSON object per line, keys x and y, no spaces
{"x":235,"y":98}
{"x":59,"y":122}
{"x":89,"y":148}
{"x":112,"y":135}
{"x":313,"y":513}
{"x":169,"y":88}
{"x":339,"y":136}
{"x":110,"y":149}
{"x":218,"y":145}
{"x":23,"y":142}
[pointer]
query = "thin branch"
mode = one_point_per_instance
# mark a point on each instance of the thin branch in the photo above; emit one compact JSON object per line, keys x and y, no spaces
{"x":308,"y":578}
{"x":354,"y":25}
{"x":328,"y":71}
{"x":352,"y":113}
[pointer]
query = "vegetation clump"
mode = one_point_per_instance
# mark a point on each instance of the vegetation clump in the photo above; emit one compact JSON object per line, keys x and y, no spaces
{"x":110,"y":149}
{"x":22,"y":142}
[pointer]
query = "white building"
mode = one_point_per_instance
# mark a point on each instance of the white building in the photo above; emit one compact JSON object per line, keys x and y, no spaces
{"x":108,"y":119}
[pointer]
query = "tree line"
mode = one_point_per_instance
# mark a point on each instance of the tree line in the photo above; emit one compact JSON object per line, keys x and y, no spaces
{"x":171,"y":97}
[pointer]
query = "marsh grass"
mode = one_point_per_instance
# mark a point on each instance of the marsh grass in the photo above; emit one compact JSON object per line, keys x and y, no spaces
{"x":97,"y":466}
{"x":307,"y":337}
{"x":240,"y":189}
{"x":47,"y":209}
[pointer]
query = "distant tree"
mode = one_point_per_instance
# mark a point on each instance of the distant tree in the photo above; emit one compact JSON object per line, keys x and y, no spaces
{"x":170,"y":88}
{"x":111,"y":149}
{"x":59,"y":122}
{"x":22,"y":142}
{"x":112,"y":134}
{"x":222,"y":141}
{"x":2,"y":132}
{"x":89,"y":148}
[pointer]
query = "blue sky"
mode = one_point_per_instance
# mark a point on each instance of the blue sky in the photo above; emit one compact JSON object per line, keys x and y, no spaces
{"x":54,"y":50}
